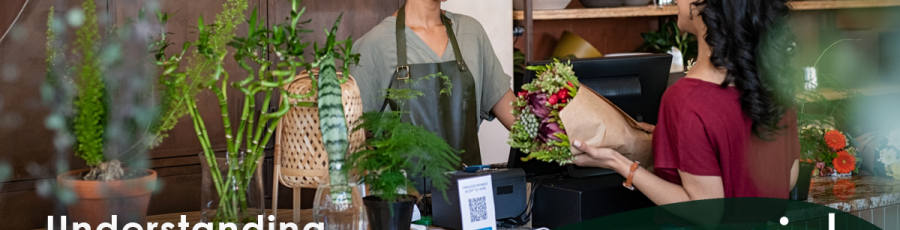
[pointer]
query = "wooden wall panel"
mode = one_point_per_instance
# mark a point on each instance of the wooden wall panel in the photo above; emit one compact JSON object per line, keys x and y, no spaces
{"x":359,"y":16}
{"x":23,"y":136}
{"x":24,"y":210}
{"x":8,"y":11}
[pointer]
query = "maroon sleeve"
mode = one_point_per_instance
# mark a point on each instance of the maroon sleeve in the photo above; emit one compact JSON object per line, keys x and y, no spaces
{"x":794,"y":135}
{"x":693,"y":147}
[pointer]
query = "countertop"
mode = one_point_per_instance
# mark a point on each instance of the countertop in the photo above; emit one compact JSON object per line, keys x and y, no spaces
{"x":284,"y":215}
{"x":859,"y":192}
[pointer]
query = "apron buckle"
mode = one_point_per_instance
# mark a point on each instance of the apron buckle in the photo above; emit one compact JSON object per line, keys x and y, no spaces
{"x":462,"y":66}
{"x":400,"y":75}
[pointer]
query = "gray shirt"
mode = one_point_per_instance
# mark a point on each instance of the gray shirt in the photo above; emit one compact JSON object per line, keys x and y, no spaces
{"x":378,"y":60}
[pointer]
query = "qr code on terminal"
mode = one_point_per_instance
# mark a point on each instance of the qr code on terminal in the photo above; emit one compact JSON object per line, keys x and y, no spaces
{"x":478,"y":209}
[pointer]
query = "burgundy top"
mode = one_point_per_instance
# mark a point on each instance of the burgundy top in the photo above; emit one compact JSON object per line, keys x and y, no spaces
{"x":703,"y":131}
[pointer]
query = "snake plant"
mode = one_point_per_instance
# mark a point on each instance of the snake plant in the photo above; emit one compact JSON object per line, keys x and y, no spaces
{"x":332,"y":123}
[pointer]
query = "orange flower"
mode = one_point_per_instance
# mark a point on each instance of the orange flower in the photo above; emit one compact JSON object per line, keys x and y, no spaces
{"x":844,"y":189}
{"x":842,"y":152}
{"x":835,"y":140}
{"x":844,"y":163}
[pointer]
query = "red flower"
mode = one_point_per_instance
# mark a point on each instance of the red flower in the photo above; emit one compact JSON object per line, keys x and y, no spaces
{"x":842,"y":152}
{"x":562,"y":93}
{"x":844,"y":189}
{"x":523,"y":93}
{"x":844,"y":163}
{"x":835,"y":140}
{"x":553,"y":99}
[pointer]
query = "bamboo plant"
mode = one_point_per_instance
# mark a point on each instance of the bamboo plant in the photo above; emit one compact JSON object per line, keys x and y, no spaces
{"x":206,"y":72}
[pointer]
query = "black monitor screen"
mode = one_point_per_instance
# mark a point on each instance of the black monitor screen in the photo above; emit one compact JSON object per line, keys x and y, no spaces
{"x":633,"y":83}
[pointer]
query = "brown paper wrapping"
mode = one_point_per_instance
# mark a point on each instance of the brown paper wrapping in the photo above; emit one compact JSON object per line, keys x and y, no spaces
{"x":596,"y":122}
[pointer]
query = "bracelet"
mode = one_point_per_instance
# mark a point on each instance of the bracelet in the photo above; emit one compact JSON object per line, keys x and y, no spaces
{"x":627,"y":182}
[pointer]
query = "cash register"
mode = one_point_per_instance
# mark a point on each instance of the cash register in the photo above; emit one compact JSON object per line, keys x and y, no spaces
{"x":569,"y":194}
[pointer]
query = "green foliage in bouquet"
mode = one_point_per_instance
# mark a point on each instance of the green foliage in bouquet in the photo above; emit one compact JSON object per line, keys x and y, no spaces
{"x":395,"y":144}
{"x":538,"y":130}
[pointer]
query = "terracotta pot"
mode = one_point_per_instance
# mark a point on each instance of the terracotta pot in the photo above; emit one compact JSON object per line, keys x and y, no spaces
{"x":99,"y":200}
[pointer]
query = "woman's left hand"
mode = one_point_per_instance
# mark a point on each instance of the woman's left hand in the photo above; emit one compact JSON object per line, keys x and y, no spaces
{"x":599,"y":157}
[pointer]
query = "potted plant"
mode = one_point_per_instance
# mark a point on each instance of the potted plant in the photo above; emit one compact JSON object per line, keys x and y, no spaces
{"x":101,"y":106}
{"x":232,"y":180}
{"x":384,"y":166}
{"x":667,"y":37}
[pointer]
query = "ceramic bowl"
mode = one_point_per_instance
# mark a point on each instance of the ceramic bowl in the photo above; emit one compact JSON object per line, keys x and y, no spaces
{"x":602,"y":3}
{"x":542,"y":4}
{"x":571,"y":44}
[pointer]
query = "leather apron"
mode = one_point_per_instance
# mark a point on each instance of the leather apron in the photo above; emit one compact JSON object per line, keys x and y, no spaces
{"x":454,"y":116}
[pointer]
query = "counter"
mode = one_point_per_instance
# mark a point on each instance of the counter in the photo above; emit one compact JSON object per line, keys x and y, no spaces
{"x":874,"y":199}
{"x":856,"y":193}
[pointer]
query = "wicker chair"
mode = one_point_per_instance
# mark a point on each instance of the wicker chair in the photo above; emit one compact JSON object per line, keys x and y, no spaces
{"x":300,"y":158}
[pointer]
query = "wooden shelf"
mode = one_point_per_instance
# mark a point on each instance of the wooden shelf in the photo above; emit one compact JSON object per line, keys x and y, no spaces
{"x":875,"y":90}
{"x":651,"y":11}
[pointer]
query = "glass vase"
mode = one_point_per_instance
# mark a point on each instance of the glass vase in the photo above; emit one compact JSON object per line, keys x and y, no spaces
{"x":232,"y":189}
{"x":336,"y":215}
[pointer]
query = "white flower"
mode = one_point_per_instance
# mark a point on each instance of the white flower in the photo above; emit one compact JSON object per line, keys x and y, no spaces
{"x":888,"y":156}
{"x":894,"y":139}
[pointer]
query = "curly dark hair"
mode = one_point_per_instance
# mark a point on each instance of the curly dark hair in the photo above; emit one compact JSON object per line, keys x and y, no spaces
{"x":751,"y":39}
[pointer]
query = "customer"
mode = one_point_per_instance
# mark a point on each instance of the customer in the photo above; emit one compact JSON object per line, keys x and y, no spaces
{"x":707,"y":142}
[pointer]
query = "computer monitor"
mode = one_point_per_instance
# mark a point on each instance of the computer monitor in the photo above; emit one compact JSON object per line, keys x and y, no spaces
{"x":633,"y":83}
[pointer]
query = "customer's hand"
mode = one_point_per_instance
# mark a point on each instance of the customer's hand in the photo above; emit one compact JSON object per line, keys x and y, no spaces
{"x":600,"y":157}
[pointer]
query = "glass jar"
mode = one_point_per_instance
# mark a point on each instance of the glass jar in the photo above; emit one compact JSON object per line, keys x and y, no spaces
{"x":348,"y":215}
{"x":232,"y":189}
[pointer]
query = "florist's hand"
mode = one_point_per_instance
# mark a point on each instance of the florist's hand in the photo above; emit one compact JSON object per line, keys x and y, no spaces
{"x":646,"y":126}
{"x":599,"y":157}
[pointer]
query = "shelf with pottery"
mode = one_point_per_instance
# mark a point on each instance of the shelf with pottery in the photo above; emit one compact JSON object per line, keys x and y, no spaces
{"x":671,"y":10}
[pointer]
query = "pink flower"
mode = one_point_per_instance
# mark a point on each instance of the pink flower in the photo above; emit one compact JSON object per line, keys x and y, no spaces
{"x":538,"y":103}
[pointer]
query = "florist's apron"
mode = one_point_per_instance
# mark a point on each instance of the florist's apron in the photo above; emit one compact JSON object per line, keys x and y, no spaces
{"x":453,"y":117}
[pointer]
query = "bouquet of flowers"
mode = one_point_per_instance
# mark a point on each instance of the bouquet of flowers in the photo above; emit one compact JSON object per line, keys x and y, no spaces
{"x":538,"y":130}
{"x":831,"y":150}
{"x":886,"y":150}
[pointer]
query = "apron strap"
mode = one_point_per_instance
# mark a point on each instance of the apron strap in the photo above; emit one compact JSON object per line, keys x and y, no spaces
{"x":459,"y":59}
{"x":402,"y":69}
{"x":402,"y":63}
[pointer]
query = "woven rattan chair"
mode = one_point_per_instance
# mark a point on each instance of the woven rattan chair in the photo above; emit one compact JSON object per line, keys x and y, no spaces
{"x":300,"y":158}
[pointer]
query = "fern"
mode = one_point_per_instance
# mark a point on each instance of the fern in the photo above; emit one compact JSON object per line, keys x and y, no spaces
{"x":396,"y":142}
{"x":90,"y":102}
